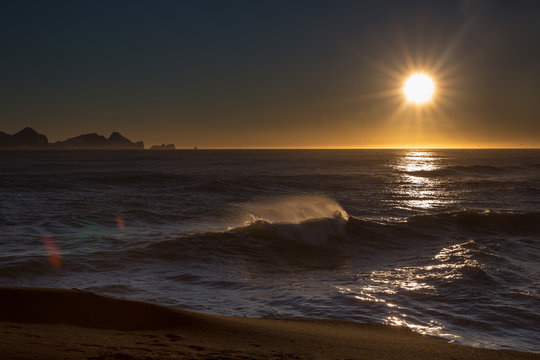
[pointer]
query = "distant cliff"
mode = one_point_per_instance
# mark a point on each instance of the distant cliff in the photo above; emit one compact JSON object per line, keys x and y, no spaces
{"x":163,"y":147}
{"x":28,"y":138}
{"x":99,"y":142}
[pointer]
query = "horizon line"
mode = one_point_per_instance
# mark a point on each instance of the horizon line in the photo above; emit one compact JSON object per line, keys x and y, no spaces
{"x":358,"y":148}
{"x":278,"y":148}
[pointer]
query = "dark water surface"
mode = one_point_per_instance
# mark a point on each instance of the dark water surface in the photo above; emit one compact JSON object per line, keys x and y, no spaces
{"x":446,"y":242}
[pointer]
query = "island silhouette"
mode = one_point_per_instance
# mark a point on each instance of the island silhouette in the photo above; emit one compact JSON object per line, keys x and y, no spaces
{"x":163,"y":147}
{"x":29,"y":138}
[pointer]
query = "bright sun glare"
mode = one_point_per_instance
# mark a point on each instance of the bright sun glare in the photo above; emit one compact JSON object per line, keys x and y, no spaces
{"x":419,"y":88}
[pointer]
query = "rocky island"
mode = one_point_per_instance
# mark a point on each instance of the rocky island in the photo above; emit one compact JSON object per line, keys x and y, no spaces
{"x":28,"y":138}
{"x":94,"y":141}
{"x":163,"y":147}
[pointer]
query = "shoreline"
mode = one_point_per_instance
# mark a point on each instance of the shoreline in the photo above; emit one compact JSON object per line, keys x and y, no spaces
{"x":72,"y":324}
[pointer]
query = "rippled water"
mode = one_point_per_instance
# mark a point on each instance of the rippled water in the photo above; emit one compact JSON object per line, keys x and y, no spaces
{"x":443,"y":241}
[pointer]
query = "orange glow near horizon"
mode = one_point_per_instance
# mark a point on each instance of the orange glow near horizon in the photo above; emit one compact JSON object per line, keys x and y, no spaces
{"x":367,"y":147}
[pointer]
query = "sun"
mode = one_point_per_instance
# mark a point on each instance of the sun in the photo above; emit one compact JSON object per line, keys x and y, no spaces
{"x":419,"y":88}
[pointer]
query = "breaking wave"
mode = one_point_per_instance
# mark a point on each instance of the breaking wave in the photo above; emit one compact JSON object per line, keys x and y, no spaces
{"x":333,"y":241}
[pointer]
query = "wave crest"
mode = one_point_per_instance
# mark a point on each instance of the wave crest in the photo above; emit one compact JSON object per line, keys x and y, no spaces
{"x":292,"y":210}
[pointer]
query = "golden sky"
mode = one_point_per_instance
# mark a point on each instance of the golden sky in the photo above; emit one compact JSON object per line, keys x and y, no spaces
{"x":278,"y":74}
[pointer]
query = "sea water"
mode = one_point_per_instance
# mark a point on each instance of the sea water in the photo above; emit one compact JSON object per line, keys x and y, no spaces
{"x":446,"y":242}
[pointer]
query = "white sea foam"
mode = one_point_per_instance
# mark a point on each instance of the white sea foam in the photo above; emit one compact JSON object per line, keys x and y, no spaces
{"x":292,"y":209}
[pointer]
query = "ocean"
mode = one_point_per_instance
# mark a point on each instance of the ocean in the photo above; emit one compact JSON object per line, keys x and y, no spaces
{"x":445,"y":242}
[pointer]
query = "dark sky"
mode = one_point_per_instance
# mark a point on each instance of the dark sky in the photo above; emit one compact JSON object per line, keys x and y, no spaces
{"x":273,"y":73}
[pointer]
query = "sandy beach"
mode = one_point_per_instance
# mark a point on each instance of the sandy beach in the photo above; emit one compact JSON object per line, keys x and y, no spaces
{"x":72,"y":324}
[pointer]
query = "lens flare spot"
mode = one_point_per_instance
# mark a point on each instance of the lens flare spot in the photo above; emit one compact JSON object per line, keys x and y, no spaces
{"x":53,"y":252}
{"x":120,"y":222}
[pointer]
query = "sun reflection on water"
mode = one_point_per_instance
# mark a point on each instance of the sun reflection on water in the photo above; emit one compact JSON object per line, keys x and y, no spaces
{"x":417,"y":161}
{"x":395,"y":288}
{"x":413,"y":187}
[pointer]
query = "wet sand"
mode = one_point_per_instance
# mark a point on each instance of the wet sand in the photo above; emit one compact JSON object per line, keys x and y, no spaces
{"x":72,"y":324}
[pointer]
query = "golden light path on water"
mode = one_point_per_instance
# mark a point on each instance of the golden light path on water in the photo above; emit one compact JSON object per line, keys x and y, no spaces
{"x":389,"y":287}
{"x":414,"y":188}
